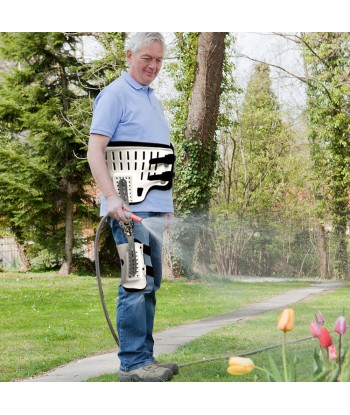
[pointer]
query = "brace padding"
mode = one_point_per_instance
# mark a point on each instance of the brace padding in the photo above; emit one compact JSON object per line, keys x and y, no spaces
{"x":133,"y":268}
{"x":144,"y":166}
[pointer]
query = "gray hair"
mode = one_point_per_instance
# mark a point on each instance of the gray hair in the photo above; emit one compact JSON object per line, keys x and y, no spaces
{"x":141,"y":39}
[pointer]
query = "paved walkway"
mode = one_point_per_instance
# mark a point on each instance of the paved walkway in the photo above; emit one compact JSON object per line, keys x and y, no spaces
{"x":169,"y":340}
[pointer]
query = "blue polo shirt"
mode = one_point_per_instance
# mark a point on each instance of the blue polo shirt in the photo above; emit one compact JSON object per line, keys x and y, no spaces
{"x":128,"y":111}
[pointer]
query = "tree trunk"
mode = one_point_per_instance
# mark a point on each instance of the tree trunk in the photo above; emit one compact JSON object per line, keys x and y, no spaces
{"x":341,"y":254}
{"x":323,"y":252}
{"x":199,"y":134}
{"x":25,"y":264}
{"x":68,"y":245}
{"x":205,"y":98}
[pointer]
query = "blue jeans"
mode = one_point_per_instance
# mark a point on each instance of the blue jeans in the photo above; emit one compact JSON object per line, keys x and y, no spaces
{"x":136,"y":310}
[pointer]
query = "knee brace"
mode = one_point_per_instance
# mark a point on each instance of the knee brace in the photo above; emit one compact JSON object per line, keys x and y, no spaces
{"x":133,"y":268}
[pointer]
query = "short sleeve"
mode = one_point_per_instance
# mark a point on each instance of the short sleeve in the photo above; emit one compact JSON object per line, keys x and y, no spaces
{"x":107,"y":114}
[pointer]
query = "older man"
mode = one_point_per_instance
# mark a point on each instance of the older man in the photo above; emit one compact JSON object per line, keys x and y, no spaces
{"x":127,"y":112}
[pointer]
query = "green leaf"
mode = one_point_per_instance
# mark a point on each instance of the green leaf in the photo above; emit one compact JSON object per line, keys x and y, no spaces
{"x":292,"y":374}
{"x":275,"y":375}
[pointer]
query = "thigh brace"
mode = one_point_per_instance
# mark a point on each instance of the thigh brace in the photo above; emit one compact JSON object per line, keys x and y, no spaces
{"x":141,"y":166}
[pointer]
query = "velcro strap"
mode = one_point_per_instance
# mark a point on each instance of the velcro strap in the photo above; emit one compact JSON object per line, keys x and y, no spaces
{"x":146,"y":249}
{"x":166,"y":176}
{"x":168,"y":159}
{"x":149,"y":271}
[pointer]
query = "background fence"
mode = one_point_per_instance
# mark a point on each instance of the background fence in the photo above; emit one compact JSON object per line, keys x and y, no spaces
{"x":9,"y":255}
{"x":227,"y":245}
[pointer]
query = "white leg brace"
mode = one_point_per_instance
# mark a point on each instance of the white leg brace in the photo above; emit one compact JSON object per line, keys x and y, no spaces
{"x":133,"y":275}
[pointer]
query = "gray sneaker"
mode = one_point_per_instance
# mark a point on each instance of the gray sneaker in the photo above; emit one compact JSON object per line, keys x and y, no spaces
{"x":149,"y":373}
{"x":172,"y":366}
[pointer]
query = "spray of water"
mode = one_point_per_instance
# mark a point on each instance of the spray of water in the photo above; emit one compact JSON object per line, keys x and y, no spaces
{"x":218,"y":245}
{"x":185,"y":240}
{"x":155,"y":225}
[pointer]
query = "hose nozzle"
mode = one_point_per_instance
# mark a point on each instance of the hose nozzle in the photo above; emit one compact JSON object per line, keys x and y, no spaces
{"x":132,"y":216}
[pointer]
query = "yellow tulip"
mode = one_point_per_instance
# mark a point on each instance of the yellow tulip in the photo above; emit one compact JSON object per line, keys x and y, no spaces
{"x":285,"y":321}
{"x":239,"y":365}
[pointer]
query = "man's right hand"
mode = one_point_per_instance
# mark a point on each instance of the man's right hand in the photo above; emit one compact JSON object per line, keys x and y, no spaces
{"x":116,"y":208}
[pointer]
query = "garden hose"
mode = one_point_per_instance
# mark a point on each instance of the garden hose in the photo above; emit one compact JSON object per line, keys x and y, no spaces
{"x":99,"y":281}
{"x":249,"y":353}
{"x":129,"y":215}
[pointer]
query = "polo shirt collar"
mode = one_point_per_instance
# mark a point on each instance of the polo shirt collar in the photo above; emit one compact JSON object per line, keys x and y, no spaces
{"x":131,"y":81}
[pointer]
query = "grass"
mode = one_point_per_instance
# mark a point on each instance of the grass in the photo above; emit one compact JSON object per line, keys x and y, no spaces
{"x":47,"y":320}
{"x":252,"y":334}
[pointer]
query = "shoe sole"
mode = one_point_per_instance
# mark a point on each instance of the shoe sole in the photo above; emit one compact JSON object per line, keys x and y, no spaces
{"x":175,"y":370}
{"x":136,"y":378}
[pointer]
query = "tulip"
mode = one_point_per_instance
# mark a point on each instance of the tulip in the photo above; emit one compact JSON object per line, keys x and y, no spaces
{"x":319,"y":318}
{"x":340,"y":328}
{"x":285,"y":321}
{"x":325,"y":338}
{"x":332,"y":352}
{"x":239,"y":365}
{"x":340,"y":325}
{"x":315,"y":329}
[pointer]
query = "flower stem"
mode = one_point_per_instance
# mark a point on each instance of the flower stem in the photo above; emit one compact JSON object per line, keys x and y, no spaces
{"x":284,"y":356}
{"x":325,"y":357}
{"x":339,"y":353}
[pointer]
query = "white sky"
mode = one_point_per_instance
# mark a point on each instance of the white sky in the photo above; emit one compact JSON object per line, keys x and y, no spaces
{"x":276,"y":50}
{"x":181,"y":15}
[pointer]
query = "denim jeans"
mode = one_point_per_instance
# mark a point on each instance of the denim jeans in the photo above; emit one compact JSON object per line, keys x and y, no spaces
{"x":136,"y":310}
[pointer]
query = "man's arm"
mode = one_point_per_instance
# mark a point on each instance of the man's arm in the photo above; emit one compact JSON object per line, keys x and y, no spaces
{"x":98,"y":166}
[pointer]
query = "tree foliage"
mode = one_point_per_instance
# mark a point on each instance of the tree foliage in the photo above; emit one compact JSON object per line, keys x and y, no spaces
{"x":256,"y":151}
{"x":45,"y":111}
{"x":258,"y":167}
{"x":198,"y":74}
{"x":327,"y":63}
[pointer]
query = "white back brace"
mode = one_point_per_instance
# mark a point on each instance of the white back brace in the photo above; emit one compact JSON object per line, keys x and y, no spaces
{"x":136,"y":168}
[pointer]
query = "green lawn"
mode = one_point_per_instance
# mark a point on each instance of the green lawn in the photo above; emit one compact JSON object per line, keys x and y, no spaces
{"x":252,"y":334}
{"x":47,"y":320}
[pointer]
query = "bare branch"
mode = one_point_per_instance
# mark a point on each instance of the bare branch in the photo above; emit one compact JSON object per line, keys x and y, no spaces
{"x":309,"y":81}
{"x":301,"y":78}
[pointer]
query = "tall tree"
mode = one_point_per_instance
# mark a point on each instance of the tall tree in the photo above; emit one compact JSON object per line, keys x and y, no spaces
{"x":256,"y":150}
{"x":21,"y":193}
{"x":327,"y":64}
{"x":256,"y":162}
{"x":198,"y":77}
{"x":45,"y":102}
{"x":196,"y":143}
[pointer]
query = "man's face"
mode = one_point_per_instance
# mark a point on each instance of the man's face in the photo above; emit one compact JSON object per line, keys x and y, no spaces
{"x":145,"y":63}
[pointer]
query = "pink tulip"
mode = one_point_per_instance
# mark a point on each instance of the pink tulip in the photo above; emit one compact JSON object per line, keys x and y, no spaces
{"x":340,"y":325}
{"x":332,"y":352}
{"x":319,"y":318}
{"x":315,"y":329}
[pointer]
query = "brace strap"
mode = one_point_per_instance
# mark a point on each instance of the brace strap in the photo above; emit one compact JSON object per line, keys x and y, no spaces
{"x":168,"y":159}
{"x":147,"y":251}
{"x":167,"y":176}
